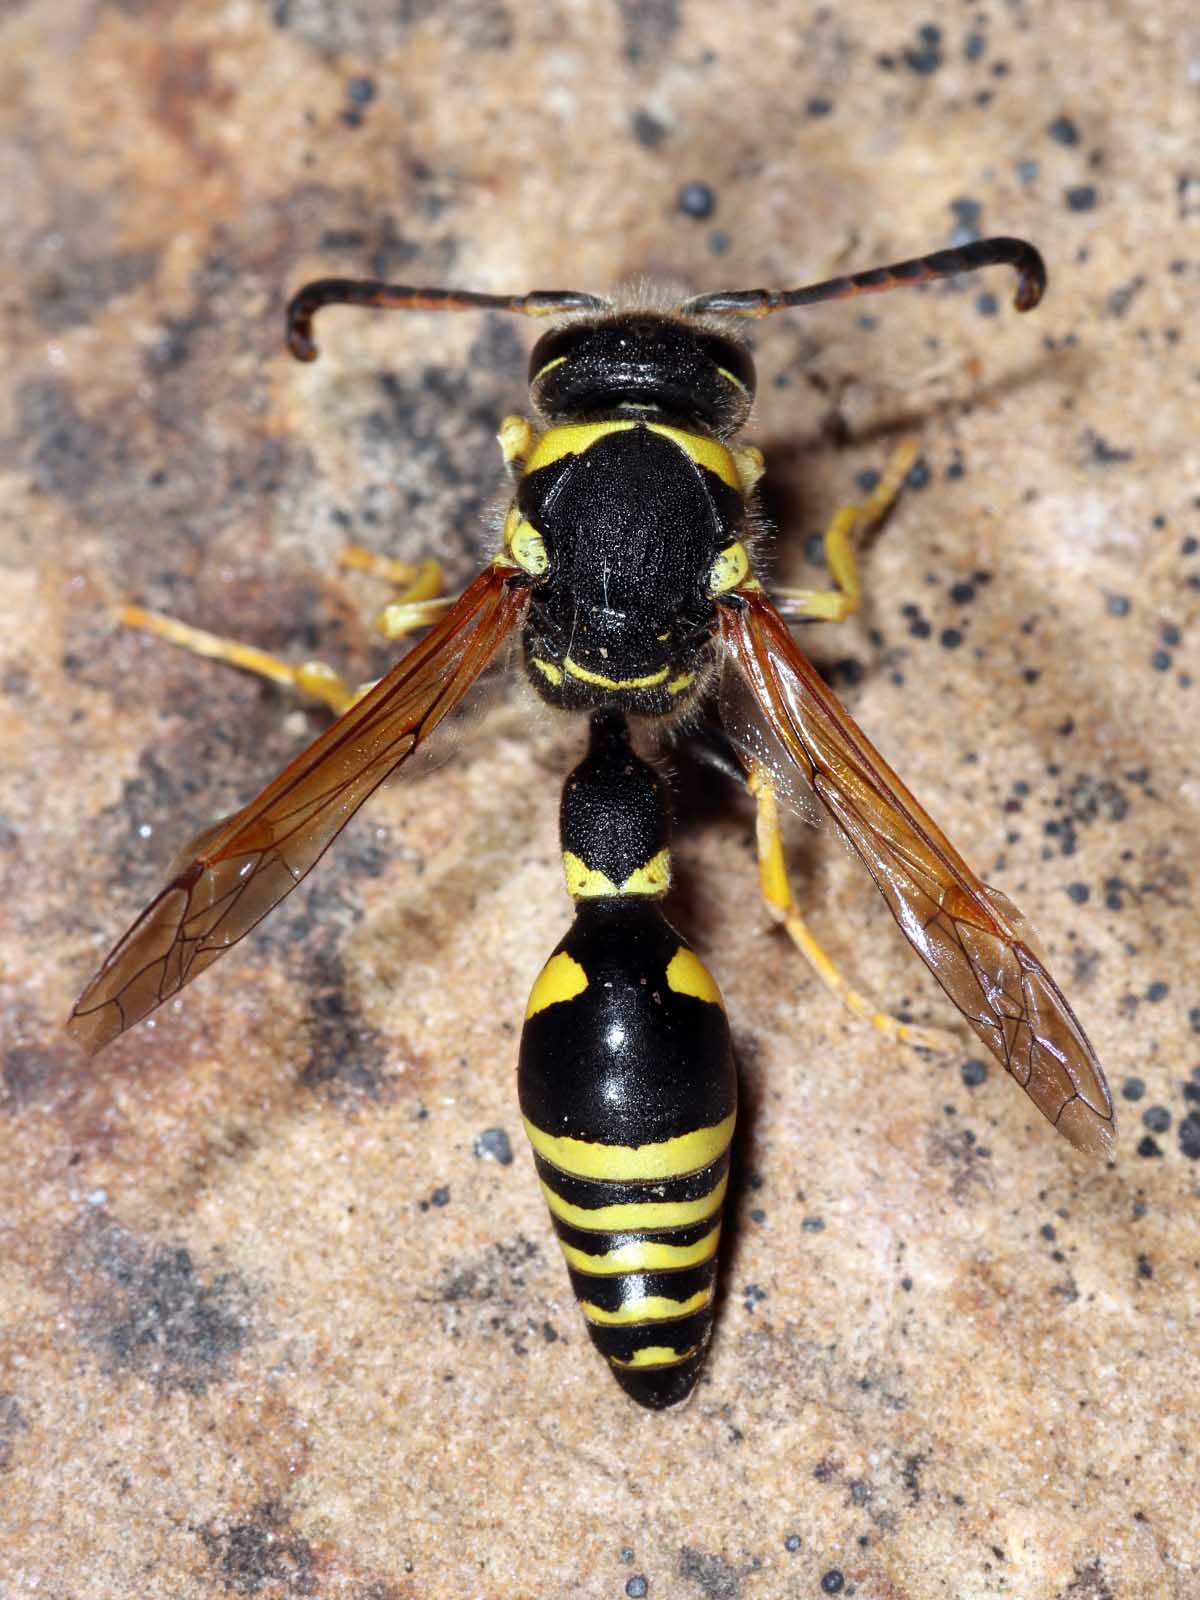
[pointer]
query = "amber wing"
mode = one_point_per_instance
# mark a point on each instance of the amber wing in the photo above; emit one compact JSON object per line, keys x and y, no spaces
{"x":971,"y":938}
{"x":232,"y":874}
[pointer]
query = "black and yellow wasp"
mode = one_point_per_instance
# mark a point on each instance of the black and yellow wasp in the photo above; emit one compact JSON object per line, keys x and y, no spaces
{"x":626,"y":563}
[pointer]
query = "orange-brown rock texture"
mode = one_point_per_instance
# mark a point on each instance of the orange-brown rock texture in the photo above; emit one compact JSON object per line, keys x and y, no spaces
{"x":280,"y":1310}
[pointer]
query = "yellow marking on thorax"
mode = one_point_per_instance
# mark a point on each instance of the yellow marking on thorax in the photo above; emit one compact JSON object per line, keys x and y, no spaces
{"x":517,"y":439}
{"x":687,"y":974}
{"x":644,"y":1255}
{"x":525,"y":544}
{"x":548,"y":670}
{"x":646,"y":1216}
{"x":562,"y":978}
{"x":588,"y":883}
{"x":573,"y":438}
{"x":584,"y":675}
{"x":670,"y":1158}
{"x":570,"y":439}
{"x":705,"y":452}
{"x":654,"y":1308}
{"x":730,"y":567}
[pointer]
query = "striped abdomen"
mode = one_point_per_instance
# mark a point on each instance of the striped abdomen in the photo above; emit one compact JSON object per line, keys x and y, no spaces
{"x":628,"y":1089}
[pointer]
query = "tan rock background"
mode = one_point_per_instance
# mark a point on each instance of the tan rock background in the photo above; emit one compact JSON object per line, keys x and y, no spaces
{"x":274,"y":1320}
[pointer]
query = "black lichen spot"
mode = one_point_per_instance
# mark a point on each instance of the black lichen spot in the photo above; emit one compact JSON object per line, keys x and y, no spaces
{"x":818,"y":106}
{"x":637,"y":1587}
{"x":1089,"y":1583}
{"x":911,"y":1476}
{"x":968,"y":220}
{"x":1117,"y":605}
{"x":247,"y":1555}
{"x":753,"y":1294}
{"x":696,"y":200}
{"x":791,"y":1541}
{"x":1189,"y":1136}
{"x":648,"y":130}
{"x":1120,"y":299}
{"x":974,"y":46}
{"x":832,"y":1582}
{"x":1090,"y":799}
{"x":715,"y":1578}
{"x":919,"y":627}
{"x":30,"y":1076}
{"x":70,"y":455}
{"x":146,"y":1311}
{"x":974,"y":1072}
{"x":346,"y":1055}
{"x":918,"y":474}
{"x":925,"y":57}
{"x":12,"y":1423}
{"x":1156,"y":1119}
{"x":1100,"y":451}
{"x":71,"y":287}
{"x":1079,"y":893}
{"x":650,"y":26}
{"x":1148,"y":1149}
{"x":1157,"y":991}
{"x":813,"y":1225}
{"x":846,"y":673}
{"x":1063,"y":131}
{"x":493,"y":1145}
{"x":1081,"y":197}
{"x":361,"y":90}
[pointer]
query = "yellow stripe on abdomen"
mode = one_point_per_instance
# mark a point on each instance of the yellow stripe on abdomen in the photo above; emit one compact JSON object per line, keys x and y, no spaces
{"x":651,"y":1308}
{"x":656,"y":1355}
{"x":671,"y":1158}
{"x":644,"y":1255}
{"x":647,"y":1216}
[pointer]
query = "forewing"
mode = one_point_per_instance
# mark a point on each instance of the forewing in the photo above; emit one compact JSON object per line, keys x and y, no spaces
{"x":976,"y":944}
{"x":230,"y":875}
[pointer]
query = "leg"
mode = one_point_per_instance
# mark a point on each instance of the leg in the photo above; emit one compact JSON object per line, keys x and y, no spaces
{"x":417,"y":607}
{"x":842,"y":601}
{"x":312,"y":678}
{"x":777,"y":892}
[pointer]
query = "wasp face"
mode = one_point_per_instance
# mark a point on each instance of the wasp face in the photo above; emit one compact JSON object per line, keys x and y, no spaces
{"x":643,"y":362}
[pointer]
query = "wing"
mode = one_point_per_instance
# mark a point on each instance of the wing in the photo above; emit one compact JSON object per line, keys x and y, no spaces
{"x":976,"y":944}
{"x":228,"y":877}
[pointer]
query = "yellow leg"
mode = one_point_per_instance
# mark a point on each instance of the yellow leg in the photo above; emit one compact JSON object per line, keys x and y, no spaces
{"x":842,"y":601}
{"x":420,"y":602}
{"x":417,"y":607}
{"x":777,"y":892}
{"x":312,"y":678}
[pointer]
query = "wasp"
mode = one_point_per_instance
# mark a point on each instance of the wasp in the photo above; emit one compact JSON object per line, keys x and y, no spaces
{"x":626,"y":564}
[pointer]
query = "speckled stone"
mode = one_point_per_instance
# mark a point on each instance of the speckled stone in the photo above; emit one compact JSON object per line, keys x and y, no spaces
{"x":277,"y":1318}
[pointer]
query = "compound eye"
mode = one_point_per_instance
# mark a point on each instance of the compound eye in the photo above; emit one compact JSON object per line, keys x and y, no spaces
{"x":556,"y":345}
{"x":733,"y":360}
